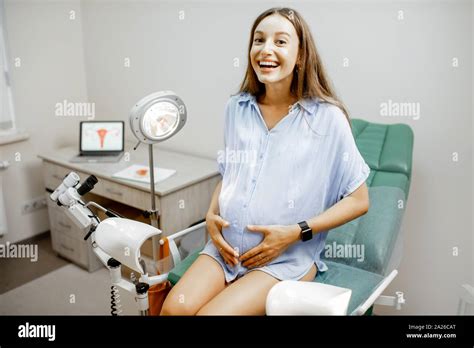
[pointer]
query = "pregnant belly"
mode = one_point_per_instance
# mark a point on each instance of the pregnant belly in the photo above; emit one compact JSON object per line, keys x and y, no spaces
{"x":241,"y":239}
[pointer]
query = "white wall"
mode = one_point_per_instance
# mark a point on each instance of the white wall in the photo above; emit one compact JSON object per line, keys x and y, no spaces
{"x":405,"y":61}
{"x":49,"y":45}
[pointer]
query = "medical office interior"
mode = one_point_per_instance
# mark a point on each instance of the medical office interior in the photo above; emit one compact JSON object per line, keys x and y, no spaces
{"x":74,"y":65}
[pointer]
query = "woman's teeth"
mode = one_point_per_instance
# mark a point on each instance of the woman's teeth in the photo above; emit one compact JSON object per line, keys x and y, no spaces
{"x":270,"y":65}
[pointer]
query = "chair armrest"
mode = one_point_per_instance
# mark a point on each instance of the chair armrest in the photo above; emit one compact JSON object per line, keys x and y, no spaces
{"x":175,"y":255}
{"x":378,"y":291}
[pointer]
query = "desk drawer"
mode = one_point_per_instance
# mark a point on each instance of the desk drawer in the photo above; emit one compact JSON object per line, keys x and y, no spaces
{"x":54,"y":174}
{"x":72,"y":249}
{"x":124,"y":194}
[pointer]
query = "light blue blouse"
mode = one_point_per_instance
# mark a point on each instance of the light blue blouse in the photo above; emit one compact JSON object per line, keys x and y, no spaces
{"x":293,"y":172}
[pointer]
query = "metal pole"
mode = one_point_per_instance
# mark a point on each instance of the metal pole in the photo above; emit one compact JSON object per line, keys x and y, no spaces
{"x":153,"y":215}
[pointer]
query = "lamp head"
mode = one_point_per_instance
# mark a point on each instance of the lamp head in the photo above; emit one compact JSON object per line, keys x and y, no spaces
{"x":157,"y":117}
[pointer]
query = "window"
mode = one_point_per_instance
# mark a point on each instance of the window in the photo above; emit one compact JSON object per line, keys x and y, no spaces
{"x":7,"y":119}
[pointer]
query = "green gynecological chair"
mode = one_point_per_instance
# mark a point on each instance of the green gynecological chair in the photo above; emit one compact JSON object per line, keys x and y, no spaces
{"x":363,"y":276}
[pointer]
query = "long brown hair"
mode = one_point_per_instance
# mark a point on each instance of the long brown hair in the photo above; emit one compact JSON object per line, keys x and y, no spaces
{"x":310,"y":79}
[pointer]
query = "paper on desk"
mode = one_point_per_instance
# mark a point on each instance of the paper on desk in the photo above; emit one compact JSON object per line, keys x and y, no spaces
{"x":141,"y":173}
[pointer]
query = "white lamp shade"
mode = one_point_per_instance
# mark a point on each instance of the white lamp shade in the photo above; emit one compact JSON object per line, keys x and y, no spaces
{"x":122,"y":239}
{"x":157,"y":117}
{"x":291,"y":297}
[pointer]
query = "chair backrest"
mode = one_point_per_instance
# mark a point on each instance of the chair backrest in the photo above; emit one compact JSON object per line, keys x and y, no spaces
{"x":368,"y":242}
{"x":388,"y":151}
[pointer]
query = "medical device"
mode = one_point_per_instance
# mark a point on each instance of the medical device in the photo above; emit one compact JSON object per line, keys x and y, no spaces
{"x":154,"y":119}
{"x":117,"y":240}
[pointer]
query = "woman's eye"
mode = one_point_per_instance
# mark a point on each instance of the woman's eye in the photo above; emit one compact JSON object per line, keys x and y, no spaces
{"x":279,"y":42}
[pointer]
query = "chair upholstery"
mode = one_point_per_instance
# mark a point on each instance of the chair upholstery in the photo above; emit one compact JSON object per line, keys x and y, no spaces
{"x":387,"y":149}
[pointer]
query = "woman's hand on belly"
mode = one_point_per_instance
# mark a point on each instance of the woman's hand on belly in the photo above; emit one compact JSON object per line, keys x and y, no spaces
{"x":277,"y":238}
{"x":214,"y":224}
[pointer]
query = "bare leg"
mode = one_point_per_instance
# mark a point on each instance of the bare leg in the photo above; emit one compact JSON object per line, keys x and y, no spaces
{"x":199,"y":284}
{"x":246,"y":296}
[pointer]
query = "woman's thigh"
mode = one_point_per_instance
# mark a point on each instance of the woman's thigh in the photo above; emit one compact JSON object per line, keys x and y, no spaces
{"x":247,"y":295}
{"x":309,"y":277}
{"x":198,"y":285}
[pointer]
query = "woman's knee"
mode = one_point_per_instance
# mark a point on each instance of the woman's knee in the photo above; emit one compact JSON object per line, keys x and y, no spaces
{"x":176,"y":305}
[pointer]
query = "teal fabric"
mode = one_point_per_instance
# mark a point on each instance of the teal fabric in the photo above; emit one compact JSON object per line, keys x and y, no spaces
{"x":388,"y":150}
{"x":177,"y":272}
{"x":362,"y":283}
{"x":374,"y":233}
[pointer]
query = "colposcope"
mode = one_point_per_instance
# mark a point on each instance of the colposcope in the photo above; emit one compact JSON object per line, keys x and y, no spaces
{"x":117,"y":240}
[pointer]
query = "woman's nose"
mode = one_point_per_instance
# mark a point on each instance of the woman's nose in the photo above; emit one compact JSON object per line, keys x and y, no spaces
{"x":268,"y":47}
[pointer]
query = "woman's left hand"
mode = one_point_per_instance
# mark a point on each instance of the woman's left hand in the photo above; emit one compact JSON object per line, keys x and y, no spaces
{"x":277,"y":238}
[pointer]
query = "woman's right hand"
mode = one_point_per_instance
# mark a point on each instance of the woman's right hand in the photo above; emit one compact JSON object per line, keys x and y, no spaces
{"x":214,"y":224}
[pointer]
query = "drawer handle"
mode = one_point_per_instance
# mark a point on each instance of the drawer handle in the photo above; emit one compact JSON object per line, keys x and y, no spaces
{"x":62,"y":224}
{"x":114,"y":192}
{"x":65,"y":247}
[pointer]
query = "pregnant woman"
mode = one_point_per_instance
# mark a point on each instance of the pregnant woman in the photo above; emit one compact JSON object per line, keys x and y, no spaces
{"x":291,"y":171}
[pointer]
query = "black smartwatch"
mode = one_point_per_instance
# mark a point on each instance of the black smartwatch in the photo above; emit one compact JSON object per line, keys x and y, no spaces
{"x":306,"y":232}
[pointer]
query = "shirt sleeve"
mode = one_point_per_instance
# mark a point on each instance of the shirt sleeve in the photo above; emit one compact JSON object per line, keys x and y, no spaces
{"x":222,"y":153}
{"x":351,"y":169}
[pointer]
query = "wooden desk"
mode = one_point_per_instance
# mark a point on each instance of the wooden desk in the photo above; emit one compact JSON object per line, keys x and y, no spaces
{"x":182,"y":199}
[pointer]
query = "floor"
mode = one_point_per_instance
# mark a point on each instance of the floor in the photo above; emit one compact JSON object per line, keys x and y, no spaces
{"x":54,"y":286}
{"x":19,"y":271}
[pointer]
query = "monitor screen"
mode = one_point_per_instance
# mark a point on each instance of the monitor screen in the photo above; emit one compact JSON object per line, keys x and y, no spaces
{"x":102,"y":136}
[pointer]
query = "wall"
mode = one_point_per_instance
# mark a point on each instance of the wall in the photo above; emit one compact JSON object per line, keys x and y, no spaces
{"x":49,"y":45}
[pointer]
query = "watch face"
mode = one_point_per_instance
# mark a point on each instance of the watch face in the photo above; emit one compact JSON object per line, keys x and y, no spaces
{"x":306,"y":235}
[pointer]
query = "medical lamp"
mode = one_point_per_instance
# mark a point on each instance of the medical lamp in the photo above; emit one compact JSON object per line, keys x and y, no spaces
{"x":154,"y":119}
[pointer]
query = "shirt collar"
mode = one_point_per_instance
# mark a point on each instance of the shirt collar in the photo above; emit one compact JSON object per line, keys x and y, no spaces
{"x":307,"y":104}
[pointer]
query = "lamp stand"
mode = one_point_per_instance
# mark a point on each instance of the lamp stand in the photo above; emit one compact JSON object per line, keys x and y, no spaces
{"x":153,"y":212}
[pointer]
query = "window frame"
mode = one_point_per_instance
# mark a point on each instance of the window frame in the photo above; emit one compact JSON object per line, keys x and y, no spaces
{"x":7,"y":122}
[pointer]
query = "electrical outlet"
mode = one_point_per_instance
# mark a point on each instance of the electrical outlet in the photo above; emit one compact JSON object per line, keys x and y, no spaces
{"x":33,"y":205}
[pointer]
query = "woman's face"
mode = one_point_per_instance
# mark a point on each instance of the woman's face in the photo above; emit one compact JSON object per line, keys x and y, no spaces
{"x":275,"y":41}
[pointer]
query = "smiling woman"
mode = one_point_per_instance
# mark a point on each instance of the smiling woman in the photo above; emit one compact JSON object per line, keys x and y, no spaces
{"x":307,"y":177}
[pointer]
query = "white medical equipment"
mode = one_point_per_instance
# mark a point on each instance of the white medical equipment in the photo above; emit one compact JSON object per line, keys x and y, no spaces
{"x":290,"y":297}
{"x":153,"y":119}
{"x":117,"y":240}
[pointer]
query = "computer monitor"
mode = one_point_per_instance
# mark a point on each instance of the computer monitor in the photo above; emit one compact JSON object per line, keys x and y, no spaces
{"x":101,"y":137}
